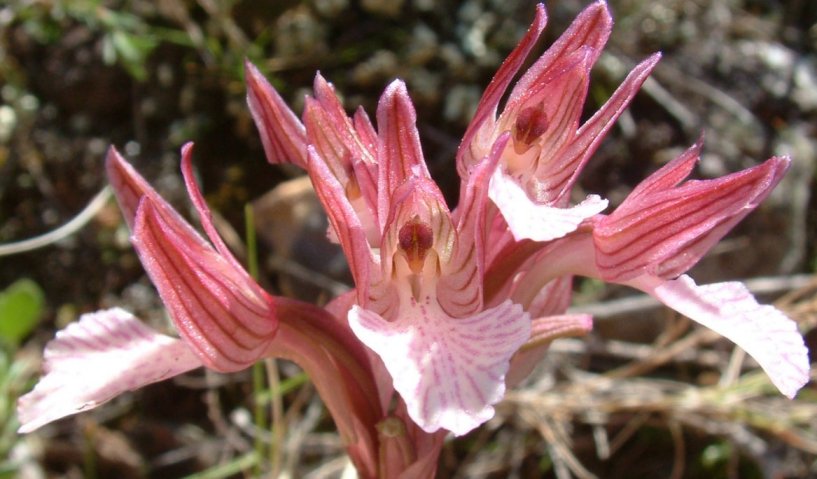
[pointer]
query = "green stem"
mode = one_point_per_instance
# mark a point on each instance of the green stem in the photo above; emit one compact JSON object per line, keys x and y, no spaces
{"x":277,"y":412}
{"x":252,"y":246}
{"x":258,"y":383}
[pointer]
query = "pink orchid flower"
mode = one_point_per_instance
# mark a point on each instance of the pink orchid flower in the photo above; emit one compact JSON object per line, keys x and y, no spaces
{"x":417,"y":269}
{"x":226,"y":321}
{"x":449,"y":307}
{"x":548,"y":147}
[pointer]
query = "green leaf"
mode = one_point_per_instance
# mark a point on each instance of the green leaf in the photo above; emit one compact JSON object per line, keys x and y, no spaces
{"x":132,"y":51}
{"x":21,"y":307}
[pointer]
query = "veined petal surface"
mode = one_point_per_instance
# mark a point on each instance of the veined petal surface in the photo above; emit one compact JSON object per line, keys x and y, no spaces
{"x":449,"y":371}
{"x":221,"y":312}
{"x":730,"y":310}
{"x":97,"y":358}
{"x":283,"y":135}
{"x":663,"y":229}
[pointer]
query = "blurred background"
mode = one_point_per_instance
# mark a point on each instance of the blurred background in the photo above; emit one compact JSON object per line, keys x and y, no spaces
{"x":646,"y":395}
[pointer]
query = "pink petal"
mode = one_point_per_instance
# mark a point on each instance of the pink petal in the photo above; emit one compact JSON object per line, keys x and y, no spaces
{"x":570,"y":78}
{"x":563,"y":173}
{"x":332,"y":132}
{"x":97,"y":358}
{"x":129,"y":187}
{"x":665,"y":232}
{"x":730,"y":310}
{"x":552,"y":299}
{"x":365,"y":130}
{"x":399,"y":154}
{"x":448,"y":371}
{"x":344,"y":220}
{"x":591,"y":28}
{"x":325,"y":138}
{"x":538,"y":222}
{"x":547,"y":328}
{"x":357,"y":136}
{"x":226,"y":318}
{"x":350,"y":159}
{"x":459,"y":287}
{"x":418,"y":199}
{"x":205,"y":217}
{"x":282,"y":134}
{"x":496,"y":89}
{"x":667,"y":177}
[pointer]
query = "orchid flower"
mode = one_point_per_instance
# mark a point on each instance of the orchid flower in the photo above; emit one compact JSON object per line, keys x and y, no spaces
{"x":548,"y":148}
{"x":649,"y":241}
{"x":658,"y":233}
{"x":226,"y":321}
{"x":418,"y":272}
{"x":666,"y":225}
{"x":450,"y":307}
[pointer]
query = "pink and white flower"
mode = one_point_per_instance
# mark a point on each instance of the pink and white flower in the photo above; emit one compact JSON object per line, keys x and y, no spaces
{"x":449,"y":306}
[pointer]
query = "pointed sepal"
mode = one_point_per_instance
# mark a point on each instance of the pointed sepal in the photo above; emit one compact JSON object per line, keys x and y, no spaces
{"x":283,"y":135}
{"x":399,"y":154}
{"x":544,"y":330}
{"x":663,"y":228}
{"x":225,"y":317}
{"x":487,"y":107}
{"x":563,"y":173}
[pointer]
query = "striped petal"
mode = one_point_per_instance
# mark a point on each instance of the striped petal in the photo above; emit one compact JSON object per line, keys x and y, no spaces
{"x":398,"y":153}
{"x":730,"y":310}
{"x":486,"y":109}
{"x":448,"y":371}
{"x":545,"y":330}
{"x":591,"y":28}
{"x":344,"y":221}
{"x":218,"y":309}
{"x":283,"y":135}
{"x":101,"y":356}
{"x":460,"y":288}
{"x":663,"y":229}
{"x":129,"y":187}
{"x":562,"y":173}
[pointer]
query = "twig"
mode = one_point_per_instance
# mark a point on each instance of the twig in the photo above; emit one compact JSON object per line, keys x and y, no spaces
{"x":677,"y":433}
{"x":627,"y":432}
{"x":64,"y":231}
{"x":632,"y":351}
{"x":664,"y":355}
{"x":557,"y":439}
{"x":615,"y":66}
{"x":732,"y":372}
{"x":683,"y":81}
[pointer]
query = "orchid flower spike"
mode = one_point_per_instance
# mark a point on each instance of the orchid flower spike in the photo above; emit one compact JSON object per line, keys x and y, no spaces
{"x":448,"y":306}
